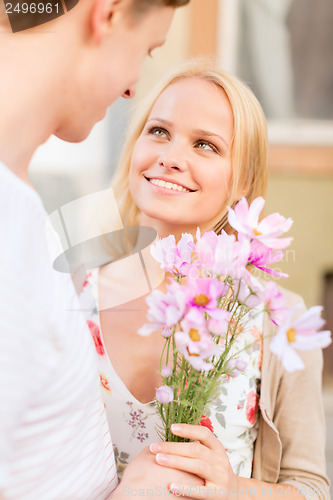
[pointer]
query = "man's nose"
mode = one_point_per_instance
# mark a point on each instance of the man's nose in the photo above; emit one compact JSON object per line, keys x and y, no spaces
{"x":130,"y":93}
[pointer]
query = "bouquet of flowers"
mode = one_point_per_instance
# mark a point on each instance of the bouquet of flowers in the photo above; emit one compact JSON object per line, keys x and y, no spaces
{"x":211,"y":296}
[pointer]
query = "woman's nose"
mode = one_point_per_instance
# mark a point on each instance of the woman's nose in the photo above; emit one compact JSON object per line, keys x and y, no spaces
{"x":173,"y":157}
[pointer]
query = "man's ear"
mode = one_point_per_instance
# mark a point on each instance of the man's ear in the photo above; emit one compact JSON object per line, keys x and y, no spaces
{"x":102,"y":17}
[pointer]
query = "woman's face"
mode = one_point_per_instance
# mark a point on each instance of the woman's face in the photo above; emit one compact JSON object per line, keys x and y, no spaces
{"x":180,"y":169}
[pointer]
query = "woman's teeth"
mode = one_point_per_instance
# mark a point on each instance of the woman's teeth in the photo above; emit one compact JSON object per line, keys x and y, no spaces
{"x":169,"y":185}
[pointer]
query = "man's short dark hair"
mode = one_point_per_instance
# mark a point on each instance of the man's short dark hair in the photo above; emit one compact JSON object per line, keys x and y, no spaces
{"x":25,"y":14}
{"x":140,"y":7}
{"x":143,"y":5}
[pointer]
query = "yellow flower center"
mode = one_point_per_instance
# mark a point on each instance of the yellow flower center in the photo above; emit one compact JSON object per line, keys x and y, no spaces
{"x":291,"y":335}
{"x":256,"y":232}
{"x":192,"y":353}
{"x":194,"y":335}
{"x":201,"y":300}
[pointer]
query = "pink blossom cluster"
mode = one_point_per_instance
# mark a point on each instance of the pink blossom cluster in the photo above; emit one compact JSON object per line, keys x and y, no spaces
{"x":215,"y":283}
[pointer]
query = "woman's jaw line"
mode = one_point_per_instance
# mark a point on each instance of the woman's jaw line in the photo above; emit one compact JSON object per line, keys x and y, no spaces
{"x":166,"y":228}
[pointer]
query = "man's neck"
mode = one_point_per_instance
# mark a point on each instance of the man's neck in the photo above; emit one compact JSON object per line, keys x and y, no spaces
{"x":28,"y":89}
{"x":19,"y":138}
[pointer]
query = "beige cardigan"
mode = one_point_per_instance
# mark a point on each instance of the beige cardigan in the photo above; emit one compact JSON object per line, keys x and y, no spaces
{"x":290,"y":447}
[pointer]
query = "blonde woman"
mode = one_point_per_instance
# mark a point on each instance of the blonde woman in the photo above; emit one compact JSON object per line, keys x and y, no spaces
{"x":198,"y":144}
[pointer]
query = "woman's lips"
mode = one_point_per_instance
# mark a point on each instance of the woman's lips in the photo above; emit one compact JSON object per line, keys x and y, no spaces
{"x":168,"y":185}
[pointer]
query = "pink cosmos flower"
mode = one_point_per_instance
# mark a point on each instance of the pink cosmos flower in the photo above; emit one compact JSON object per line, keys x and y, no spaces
{"x":205,"y":248}
{"x":203,"y":294}
{"x":299,"y":334}
{"x":223,"y":254}
{"x":164,"y":308}
{"x":262,"y":256}
{"x":275,"y":303}
{"x":164,"y":394}
{"x":175,"y":258}
{"x":194,"y":341}
{"x":247,"y":296}
{"x":232,"y":256}
{"x":219,"y":326}
{"x":245,"y":219}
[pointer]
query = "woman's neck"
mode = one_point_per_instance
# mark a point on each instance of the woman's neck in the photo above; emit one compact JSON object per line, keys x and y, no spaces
{"x":165,"y":229}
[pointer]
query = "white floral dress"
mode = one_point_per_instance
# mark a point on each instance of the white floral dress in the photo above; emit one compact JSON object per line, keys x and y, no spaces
{"x":232,"y":418}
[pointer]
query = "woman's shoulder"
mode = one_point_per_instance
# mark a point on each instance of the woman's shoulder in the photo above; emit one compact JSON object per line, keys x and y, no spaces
{"x":293,"y":299}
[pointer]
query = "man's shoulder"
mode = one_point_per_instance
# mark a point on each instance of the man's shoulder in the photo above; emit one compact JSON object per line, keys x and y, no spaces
{"x":22,"y":217}
{"x":16,"y":193}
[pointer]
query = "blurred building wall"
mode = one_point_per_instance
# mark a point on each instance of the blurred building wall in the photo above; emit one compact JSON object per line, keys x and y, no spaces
{"x":301,"y":166}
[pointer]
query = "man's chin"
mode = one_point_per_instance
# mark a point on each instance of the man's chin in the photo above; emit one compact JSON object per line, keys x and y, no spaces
{"x":77,"y":132}
{"x":73,"y":136}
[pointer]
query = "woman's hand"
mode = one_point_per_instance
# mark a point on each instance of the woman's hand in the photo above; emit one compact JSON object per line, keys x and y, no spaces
{"x":205,"y":457}
{"x":144,"y":477}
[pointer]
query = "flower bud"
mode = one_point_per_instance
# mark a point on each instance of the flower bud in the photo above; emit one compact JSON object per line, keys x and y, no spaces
{"x":231,"y":368}
{"x":166,"y":371}
{"x":241,"y":365}
{"x":166,"y":332}
{"x":164,"y":394}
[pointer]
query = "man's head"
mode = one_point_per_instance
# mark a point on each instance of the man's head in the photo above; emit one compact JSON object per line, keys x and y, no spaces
{"x":90,"y":56}
{"x":23,"y":15}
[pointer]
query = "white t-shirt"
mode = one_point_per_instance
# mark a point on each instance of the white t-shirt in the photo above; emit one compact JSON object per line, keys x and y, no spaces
{"x":54,"y":437}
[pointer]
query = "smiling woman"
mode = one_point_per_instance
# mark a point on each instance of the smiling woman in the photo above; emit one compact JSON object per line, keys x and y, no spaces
{"x":174,"y":113}
{"x":198,"y":144}
{"x":184,"y":145}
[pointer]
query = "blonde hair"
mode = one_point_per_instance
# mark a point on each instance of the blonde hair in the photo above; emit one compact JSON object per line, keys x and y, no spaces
{"x":249,"y":145}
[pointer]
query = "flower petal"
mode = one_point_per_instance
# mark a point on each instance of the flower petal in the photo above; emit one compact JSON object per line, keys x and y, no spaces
{"x":312,"y":341}
{"x":291,"y":360}
{"x":310,"y":320}
{"x":255,"y":210}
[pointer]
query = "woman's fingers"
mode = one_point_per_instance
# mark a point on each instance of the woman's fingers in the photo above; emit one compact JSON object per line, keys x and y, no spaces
{"x":197,"y":433}
{"x":204,"y":456}
{"x":189,"y":450}
{"x":210,"y":470}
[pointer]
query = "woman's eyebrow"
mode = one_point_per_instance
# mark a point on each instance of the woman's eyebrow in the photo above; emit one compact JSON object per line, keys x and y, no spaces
{"x":205,"y":133}
{"x":161,"y":120}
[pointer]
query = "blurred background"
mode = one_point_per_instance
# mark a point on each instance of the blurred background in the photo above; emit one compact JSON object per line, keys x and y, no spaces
{"x":284,"y":50}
